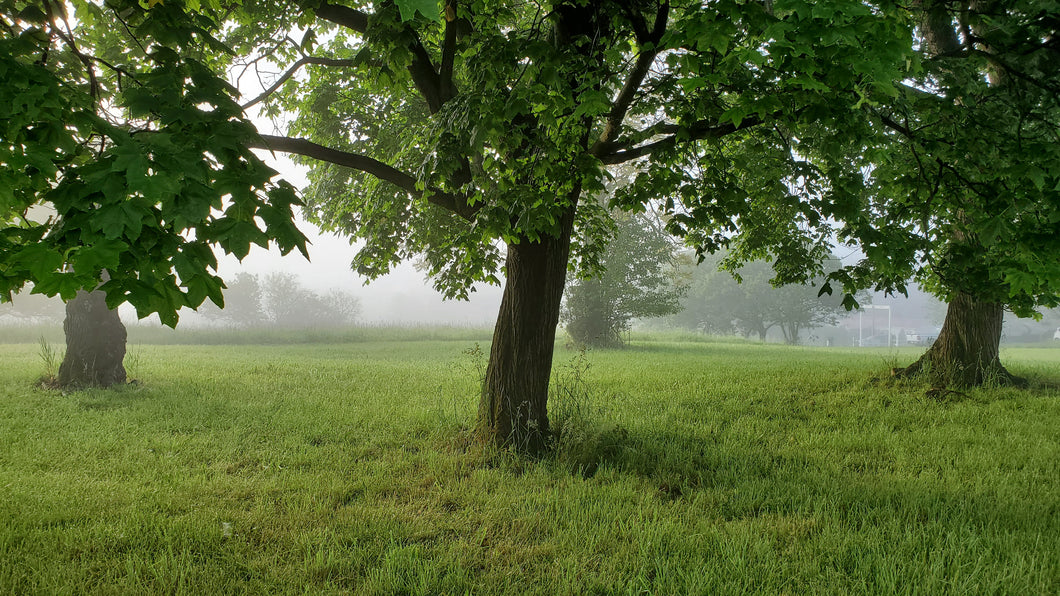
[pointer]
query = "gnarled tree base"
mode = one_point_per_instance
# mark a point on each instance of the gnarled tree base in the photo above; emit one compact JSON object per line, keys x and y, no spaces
{"x":937,"y":372}
{"x":966,"y":353}
{"x":95,"y":343}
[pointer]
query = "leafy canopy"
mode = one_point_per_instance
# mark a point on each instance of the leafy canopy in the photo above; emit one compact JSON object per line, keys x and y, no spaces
{"x":959,"y":181}
{"x":122,"y":150}
{"x":443,"y":133}
{"x":440,"y":129}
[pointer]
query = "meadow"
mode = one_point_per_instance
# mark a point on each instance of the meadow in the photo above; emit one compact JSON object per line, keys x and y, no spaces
{"x":680,"y":467}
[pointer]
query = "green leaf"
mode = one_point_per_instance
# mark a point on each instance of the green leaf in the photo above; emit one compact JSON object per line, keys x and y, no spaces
{"x":40,"y":260}
{"x":428,"y":8}
{"x":104,"y":254}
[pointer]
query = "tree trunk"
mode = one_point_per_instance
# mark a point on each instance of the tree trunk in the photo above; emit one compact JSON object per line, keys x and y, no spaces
{"x":513,"y":411}
{"x":95,"y":343}
{"x":965,"y":354}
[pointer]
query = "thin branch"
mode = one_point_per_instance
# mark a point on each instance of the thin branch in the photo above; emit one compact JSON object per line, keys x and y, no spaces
{"x":636,"y":77}
{"x":1002,"y":64}
{"x":129,"y":30}
{"x":424,"y":74}
{"x":263,"y":56}
{"x":702,"y":129}
{"x":93,"y":82}
{"x":907,"y":132}
{"x":293,"y":69}
{"x":368,"y":165}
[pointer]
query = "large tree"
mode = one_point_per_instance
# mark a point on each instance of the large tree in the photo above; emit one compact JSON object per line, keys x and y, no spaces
{"x":467,"y":132}
{"x":123,"y":161}
{"x":471,"y":135}
{"x":963,"y":180}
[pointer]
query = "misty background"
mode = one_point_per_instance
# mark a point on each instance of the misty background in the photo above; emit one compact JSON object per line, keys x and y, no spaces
{"x":325,"y":292}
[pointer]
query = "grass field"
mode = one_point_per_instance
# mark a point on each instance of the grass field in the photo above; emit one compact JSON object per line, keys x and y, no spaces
{"x":681,"y":467}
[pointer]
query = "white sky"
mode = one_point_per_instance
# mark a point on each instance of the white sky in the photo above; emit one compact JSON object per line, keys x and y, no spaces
{"x":403,"y":296}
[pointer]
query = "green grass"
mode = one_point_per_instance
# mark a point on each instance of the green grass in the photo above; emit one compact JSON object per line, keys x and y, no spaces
{"x":157,"y":335}
{"x":702,"y":468}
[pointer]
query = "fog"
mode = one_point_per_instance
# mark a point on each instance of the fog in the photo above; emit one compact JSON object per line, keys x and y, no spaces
{"x":403,"y":297}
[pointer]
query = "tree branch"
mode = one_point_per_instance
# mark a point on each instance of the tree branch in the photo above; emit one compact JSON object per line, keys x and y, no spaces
{"x":293,"y":69}
{"x":368,"y":165}
{"x":424,"y":74}
{"x":703,"y":129}
{"x":343,"y":15}
{"x":448,"y":51}
{"x":636,"y":77}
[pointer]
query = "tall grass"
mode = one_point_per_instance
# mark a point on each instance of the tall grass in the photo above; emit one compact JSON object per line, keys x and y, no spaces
{"x":687,"y":468}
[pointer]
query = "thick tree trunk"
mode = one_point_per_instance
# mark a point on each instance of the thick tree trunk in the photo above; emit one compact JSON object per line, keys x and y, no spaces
{"x":513,"y":411}
{"x":965,"y":354}
{"x":95,"y":343}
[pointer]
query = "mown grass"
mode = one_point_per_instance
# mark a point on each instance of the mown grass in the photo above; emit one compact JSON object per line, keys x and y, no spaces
{"x":702,"y":468}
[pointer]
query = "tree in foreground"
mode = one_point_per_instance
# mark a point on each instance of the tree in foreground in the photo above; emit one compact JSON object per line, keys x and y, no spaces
{"x":95,"y":343}
{"x":963,"y":180}
{"x":472,"y":135}
{"x":717,"y":302}
{"x":123,"y":162}
{"x":465,"y":132}
{"x":639,"y":279}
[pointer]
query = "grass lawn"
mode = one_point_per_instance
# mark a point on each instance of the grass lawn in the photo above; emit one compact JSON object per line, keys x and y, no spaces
{"x":681,"y":468}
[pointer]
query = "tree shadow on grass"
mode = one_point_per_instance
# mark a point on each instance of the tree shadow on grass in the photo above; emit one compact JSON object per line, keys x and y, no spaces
{"x":110,"y":398}
{"x":745,"y":480}
{"x":678,"y":463}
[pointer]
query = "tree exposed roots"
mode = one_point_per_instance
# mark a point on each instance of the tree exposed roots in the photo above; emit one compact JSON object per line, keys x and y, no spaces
{"x":944,"y":372}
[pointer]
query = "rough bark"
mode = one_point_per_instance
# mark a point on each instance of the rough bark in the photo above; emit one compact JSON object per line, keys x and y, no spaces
{"x":966,"y":352}
{"x":95,"y":343}
{"x":513,"y":411}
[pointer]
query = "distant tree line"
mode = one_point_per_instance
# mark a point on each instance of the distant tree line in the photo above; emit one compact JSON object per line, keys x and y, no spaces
{"x":719,"y":303}
{"x":645,"y":275}
{"x":270,"y":300}
{"x":31,"y":308}
{"x":280,"y":300}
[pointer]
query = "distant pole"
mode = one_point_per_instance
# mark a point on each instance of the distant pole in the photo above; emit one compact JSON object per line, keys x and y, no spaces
{"x":861,"y":318}
{"x":889,"y":328}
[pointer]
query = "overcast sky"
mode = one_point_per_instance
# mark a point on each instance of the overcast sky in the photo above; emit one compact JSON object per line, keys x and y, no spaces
{"x":403,"y":296}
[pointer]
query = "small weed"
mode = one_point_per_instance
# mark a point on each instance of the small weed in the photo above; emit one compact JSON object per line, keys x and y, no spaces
{"x":133,"y":362}
{"x":52,"y":358}
{"x":475,"y":362}
{"x":453,"y":398}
